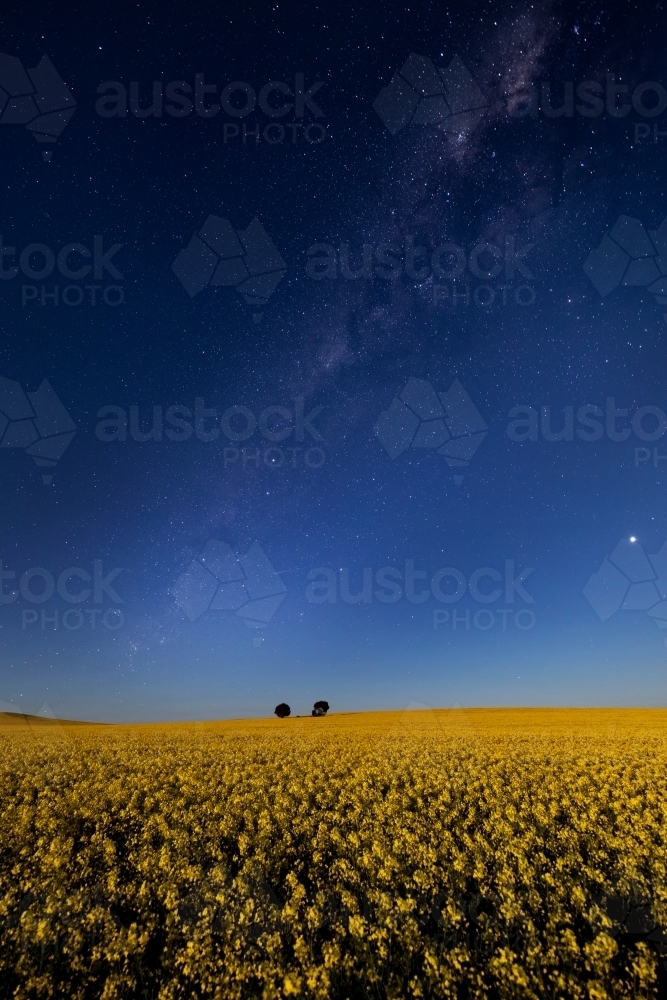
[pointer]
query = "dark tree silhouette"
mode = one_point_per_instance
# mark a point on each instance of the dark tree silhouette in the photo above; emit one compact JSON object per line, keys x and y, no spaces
{"x":282,"y":710}
{"x":320,"y":708}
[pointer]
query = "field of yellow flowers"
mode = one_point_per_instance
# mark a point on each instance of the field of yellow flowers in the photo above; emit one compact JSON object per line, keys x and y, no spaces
{"x":465,"y":854}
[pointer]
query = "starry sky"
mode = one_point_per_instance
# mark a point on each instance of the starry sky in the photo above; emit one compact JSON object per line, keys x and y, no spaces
{"x":388,"y":574}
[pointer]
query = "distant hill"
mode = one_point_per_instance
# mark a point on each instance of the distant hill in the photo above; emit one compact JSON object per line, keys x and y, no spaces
{"x":17,"y":719}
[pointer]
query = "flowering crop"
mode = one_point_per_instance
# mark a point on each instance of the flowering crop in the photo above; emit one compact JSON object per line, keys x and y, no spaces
{"x":486,"y":853}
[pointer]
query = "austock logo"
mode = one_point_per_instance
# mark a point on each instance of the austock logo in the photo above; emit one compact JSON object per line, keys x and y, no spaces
{"x":420,"y":417}
{"x":272,"y":427}
{"x":220,"y":256}
{"x":448,"y":585}
{"x":441,"y":270}
{"x":631,"y":256}
{"x":630,"y":580}
{"x":38,"y":261}
{"x":36,"y":422}
{"x":422,"y":94}
{"x":591,"y":423}
{"x":611,"y":98}
{"x":218,"y":580}
{"x":73,"y":585}
{"x":37,"y":98}
{"x":238,"y":100}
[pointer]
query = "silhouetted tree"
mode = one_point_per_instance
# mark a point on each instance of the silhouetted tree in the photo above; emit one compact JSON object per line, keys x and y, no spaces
{"x":320,"y":708}
{"x":282,"y":710}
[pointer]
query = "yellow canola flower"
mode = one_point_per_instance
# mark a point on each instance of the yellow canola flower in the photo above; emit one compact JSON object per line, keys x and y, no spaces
{"x":436,"y":854}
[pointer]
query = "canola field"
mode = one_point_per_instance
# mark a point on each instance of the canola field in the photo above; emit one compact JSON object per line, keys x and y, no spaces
{"x":463,"y":854}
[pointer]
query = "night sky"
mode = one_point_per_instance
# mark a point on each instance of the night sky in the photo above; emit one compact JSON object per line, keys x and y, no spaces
{"x":363,"y":483}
